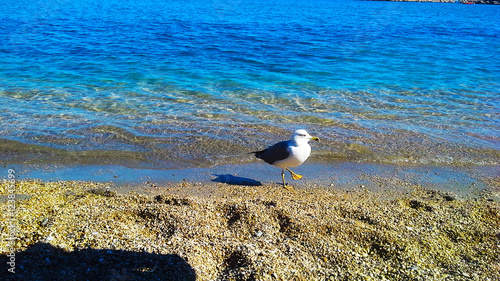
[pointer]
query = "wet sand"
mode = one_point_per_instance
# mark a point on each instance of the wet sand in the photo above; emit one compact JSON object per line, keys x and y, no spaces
{"x":77,"y":230}
{"x":462,"y":181}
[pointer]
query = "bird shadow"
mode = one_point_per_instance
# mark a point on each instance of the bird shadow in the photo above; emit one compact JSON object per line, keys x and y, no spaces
{"x":42,"y":261}
{"x":234,"y":180}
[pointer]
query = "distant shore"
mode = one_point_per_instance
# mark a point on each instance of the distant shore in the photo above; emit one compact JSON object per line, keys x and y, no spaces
{"x":488,"y":2}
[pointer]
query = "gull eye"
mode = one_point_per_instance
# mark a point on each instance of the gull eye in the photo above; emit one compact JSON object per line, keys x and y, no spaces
{"x":302,"y":135}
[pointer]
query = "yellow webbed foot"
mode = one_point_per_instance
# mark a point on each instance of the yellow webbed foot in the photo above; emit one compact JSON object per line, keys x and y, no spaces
{"x":294,"y":175}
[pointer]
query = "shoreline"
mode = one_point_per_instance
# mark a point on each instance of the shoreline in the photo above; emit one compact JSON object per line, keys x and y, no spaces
{"x":462,"y":181}
{"x":81,"y":230}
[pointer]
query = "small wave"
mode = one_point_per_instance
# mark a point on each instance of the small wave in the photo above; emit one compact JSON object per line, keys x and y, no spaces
{"x":181,"y":144}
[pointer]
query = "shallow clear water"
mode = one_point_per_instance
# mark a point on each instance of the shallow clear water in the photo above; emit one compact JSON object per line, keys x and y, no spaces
{"x":193,"y":83}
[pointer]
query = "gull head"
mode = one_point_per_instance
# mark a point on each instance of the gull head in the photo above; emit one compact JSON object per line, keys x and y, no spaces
{"x":301,"y":136}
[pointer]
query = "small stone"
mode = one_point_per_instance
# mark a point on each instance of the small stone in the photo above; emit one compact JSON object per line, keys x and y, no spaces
{"x":448,"y":198}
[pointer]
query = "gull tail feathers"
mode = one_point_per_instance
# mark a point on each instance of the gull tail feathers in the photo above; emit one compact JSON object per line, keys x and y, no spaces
{"x":257,"y":153}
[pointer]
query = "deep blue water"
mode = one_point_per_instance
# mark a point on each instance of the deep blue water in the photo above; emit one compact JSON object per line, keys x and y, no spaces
{"x":181,"y":80}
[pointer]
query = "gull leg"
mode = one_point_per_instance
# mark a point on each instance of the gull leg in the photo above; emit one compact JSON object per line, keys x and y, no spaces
{"x":283,"y":177}
{"x":294,"y":175}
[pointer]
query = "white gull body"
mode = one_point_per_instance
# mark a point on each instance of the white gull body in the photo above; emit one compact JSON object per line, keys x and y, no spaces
{"x":291,"y":153}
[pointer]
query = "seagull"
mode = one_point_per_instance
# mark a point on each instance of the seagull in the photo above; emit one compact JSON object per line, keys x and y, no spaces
{"x":291,"y":153}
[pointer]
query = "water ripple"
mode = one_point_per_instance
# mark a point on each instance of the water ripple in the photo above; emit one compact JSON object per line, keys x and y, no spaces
{"x":375,"y":78}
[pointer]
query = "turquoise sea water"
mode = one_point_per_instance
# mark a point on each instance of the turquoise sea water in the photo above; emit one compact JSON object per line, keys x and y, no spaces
{"x":170,"y":84}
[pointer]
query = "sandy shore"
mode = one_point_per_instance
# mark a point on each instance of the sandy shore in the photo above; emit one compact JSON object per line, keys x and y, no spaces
{"x":85,"y":231}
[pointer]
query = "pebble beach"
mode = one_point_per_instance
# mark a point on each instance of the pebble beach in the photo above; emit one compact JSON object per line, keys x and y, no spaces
{"x":189,"y":231}
{"x":126,"y":132}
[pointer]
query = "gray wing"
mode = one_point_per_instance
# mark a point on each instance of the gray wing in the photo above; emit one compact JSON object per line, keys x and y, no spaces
{"x":274,"y":153}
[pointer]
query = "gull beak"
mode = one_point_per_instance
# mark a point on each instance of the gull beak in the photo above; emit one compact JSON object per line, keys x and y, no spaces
{"x":315,"y":138}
